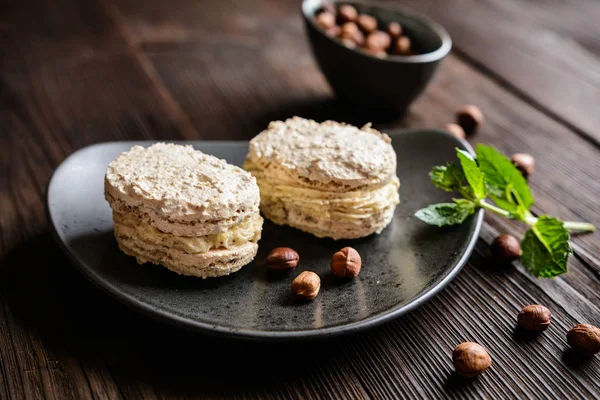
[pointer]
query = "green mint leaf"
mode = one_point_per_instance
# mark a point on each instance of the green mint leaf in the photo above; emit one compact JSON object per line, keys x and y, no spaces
{"x":472,"y":173}
{"x":546,"y":248}
{"x":451,"y":178}
{"x":503,"y":179}
{"x":447,"y":177}
{"x":443,"y":214}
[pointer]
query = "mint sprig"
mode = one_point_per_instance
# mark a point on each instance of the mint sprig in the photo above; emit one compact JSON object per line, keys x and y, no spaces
{"x":545,"y":247}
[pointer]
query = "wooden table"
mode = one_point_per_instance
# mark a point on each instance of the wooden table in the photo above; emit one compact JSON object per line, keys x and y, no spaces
{"x":77,"y":72}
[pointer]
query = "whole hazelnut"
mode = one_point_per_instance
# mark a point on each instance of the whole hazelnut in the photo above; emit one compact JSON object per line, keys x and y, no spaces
{"x":402,"y":45}
{"x":394,"y":29}
{"x":585,"y":339}
{"x":534,"y":318}
{"x":306,"y":286}
{"x":325,"y":20}
{"x":366,"y":23}
{"x":455,"y":130}
{"x":506,"y":248}
{"x":470,"y":359}
{"x":282,"y":259}
{"x":346,"y":263}
{"x":378,"y":40}
{"x":350,"y":31}
{"x":347,"y":13}
{"x":524,"y":163}
{"x":470,"y":118}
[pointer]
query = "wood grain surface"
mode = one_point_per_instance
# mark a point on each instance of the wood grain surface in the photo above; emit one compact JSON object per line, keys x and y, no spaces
{"x":74,"y":73}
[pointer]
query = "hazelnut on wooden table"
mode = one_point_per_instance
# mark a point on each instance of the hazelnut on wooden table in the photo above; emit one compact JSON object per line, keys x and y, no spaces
{"x":470,"y":359}
{"x":347,"y":13}
{"x":282,"y":259}
{"x":534,"y":318}
{"x":394,"y":29}
{"x":455,"y":130}
{"x":470,"y":118}
{"x":506,"y":248}
{"x":524,"y":163}
{"x":584,"y":339}
{"x":306,"y":286}
{"x":346,"y":263}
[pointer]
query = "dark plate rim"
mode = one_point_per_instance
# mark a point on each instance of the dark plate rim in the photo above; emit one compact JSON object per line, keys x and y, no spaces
{"x":203,"y":327}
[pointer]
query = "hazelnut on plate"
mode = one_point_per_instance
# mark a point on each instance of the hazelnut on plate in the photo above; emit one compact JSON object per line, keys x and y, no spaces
{"x":306,"y":286}
{"x":470,"y":359}
{"x":346,"y":263}
{"x":282,"y":259}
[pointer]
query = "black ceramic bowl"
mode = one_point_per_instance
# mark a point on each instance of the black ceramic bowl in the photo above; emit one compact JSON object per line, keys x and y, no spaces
{"x":374,"y":85}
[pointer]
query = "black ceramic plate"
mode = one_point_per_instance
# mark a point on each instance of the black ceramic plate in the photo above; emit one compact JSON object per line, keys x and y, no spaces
{"x":403,"y":267}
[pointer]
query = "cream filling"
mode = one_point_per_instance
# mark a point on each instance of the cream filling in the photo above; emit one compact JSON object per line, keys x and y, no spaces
{"x":248,"y":230}
{"x":351,"y":206}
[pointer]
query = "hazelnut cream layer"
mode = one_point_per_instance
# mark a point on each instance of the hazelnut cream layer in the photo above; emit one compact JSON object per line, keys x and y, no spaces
{"x":248,"y":230}
{"x":354,"y":205}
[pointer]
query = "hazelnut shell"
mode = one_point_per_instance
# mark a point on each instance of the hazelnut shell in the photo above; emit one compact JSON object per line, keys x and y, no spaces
{"x":470,"y":118}
{"x":506,"y":248}
{"x":534,"y":317}
{"x":306,"y":286}
{"x":346,"y":263}
{"x":585,"y":339}
{"x":347,"y":13}
{"x":524,"y":163}
{"x":470,"y":359}
{"x":282,"y":259}
{"x":455,"y":130}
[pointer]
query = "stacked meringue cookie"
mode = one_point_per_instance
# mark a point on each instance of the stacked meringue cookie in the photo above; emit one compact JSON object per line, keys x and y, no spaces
{"x":329,"y":179}
{"x":188,"y":211}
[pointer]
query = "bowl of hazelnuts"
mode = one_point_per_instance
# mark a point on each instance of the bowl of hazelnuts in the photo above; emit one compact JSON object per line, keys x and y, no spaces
{"x":376,"y":56}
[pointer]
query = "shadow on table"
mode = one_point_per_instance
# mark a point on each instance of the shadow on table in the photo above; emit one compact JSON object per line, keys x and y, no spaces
{"x":74,"y":320}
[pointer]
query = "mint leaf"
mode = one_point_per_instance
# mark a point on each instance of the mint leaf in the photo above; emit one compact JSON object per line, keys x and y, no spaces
{"x":503,"y":179}
{"x":472,"y":173}
{"x":446,"y":213}
{"x":546,"y":248}
{"x":447,"y":177}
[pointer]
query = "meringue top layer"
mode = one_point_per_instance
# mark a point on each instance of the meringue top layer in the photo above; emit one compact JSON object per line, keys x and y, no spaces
{"x":180,"y":184}
{"x":329,"y":155}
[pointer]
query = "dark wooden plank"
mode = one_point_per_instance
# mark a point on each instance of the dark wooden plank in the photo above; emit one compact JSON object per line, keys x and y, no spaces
{"x":536,"y":49}
{"x":539,"y":50}
{"x":62,"y":338}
